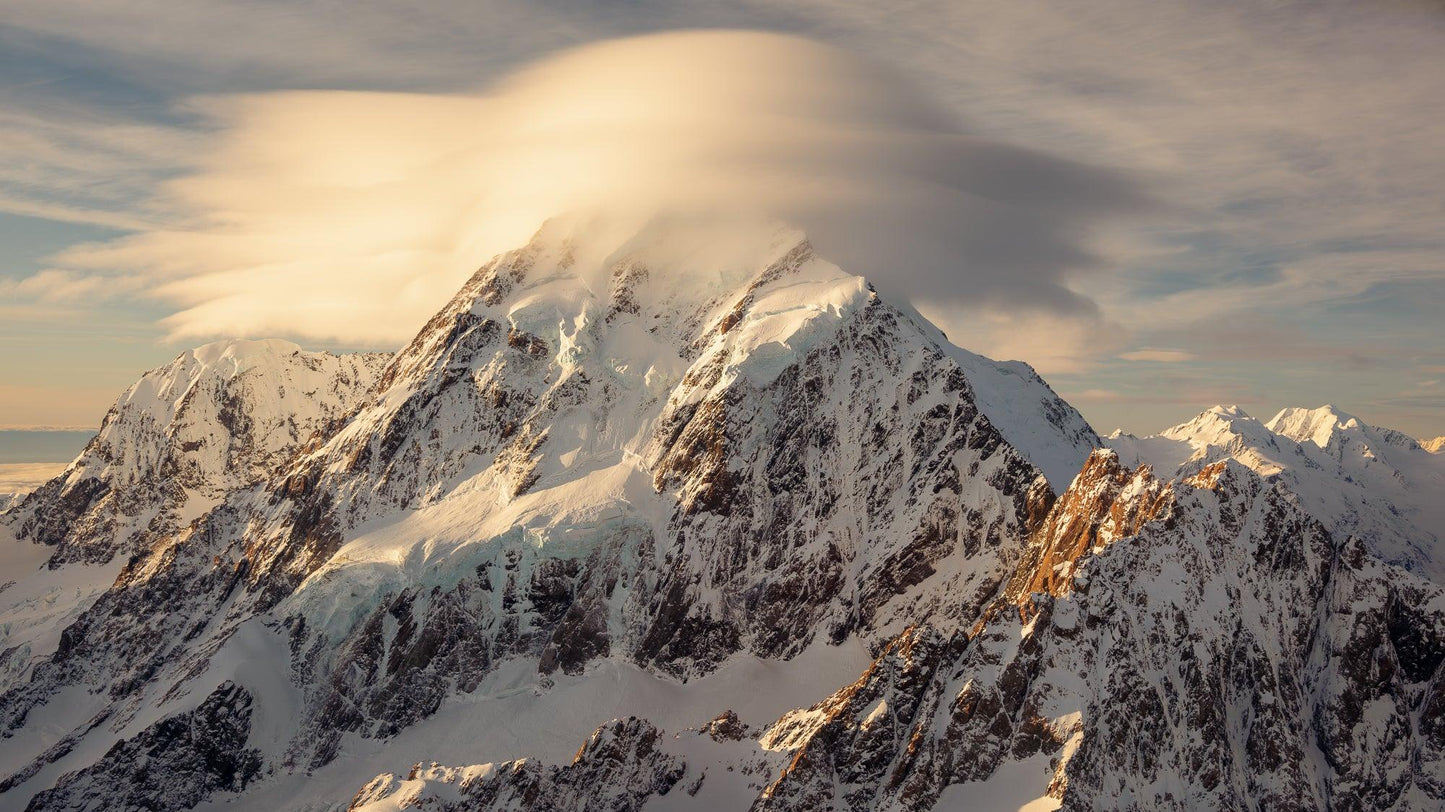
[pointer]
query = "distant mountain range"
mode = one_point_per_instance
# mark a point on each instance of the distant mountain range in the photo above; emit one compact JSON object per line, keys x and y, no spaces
{"x":679,"y":529}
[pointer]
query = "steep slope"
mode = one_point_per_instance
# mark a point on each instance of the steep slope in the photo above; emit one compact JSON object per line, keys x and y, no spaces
{"x":665,"y":474}
{"x":1374,"y":483}
{"x":1434,"y":446}
{"x":218,"y":418}
{"x":654,"y":455}
{"x":1228,"y":653}
{"x":1200,"y":644}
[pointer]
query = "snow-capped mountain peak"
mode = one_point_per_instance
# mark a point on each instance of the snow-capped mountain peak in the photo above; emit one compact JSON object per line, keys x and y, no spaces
{"x":217,"y":418}
{"x":1320,"y":426}
{"x":648,"y":450}
{"x":624,"y":483}
{"x":1358,"y":478}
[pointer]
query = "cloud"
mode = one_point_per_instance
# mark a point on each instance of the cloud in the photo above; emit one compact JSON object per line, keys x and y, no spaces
{"x":54,"y":286}
{"x":1098,"y":395}
{"x":1299,"y":140}
{"x":78,"y":166}
{"x":1053,"y":343}
{"x":1159,"y":356}
{"x":350,"y":216}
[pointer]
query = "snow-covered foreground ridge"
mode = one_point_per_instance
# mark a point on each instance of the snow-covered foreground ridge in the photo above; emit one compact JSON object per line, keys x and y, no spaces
{"x":687,"y":525}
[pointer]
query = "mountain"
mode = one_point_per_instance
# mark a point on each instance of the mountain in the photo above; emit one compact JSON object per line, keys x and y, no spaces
{"x":1434,"y":446}
{"x":575,"y":460}
{"x":218,"y":418}
{"x":1196,"y":644}
{"x":746,"y":532}
{"x":1373,"y":483}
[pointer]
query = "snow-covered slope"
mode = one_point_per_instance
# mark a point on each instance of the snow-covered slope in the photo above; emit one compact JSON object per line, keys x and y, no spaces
{"x":1196,"y":644}
{"x":656,"y":454}
{"x":1434,"y":446}
{"x":1374,"y":483}
{"x":217,"y":418}
{"x":748,"y":534}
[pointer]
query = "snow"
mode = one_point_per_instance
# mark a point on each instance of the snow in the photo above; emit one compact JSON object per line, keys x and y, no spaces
{"x":723,"y":789}
{"x":37,"y":603}
{"x":1024,"y":409}
{"x":437,"y":545}
{"x":510,"y":716}
{"x":789,"y":320}
{"x":254,"y":658}
{"x":288,"y":392}
{"x":1357,"y":478}
{"x":70,"y":708}
{"x":1013,"y":787}
{"x":876,"y":714}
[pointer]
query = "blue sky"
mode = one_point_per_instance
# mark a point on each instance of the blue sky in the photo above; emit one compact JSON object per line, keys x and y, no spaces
{"x":1294,"y":255}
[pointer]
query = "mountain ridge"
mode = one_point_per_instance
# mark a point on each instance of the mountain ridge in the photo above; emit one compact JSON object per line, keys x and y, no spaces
{"x":1378,"y":483}
{"x":584,"y":472}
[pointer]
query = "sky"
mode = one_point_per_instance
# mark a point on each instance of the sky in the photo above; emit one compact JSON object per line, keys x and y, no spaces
{"x":1160,"y":205}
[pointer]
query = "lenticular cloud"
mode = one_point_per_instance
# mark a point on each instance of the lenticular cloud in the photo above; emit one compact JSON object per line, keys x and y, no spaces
{"x":350,"y":217}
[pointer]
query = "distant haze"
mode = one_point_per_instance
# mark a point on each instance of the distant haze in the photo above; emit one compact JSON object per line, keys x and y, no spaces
{"x":41,"y":446}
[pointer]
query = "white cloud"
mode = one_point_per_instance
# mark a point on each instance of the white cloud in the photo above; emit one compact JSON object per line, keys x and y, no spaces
{"x":350,"y":216}
{"x":1296,"y":143}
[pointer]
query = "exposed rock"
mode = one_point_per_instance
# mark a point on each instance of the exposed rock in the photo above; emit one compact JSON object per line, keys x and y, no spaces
{"x":576,"y":473}
{"x":618,"y":769}
{"x":174,"y":764}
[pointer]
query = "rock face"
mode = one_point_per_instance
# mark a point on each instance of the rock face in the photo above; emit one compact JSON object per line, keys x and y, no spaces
{"x":1373,"y":483}
{"x":655,"y":465}
{"x":174,"y":764}
{"x":1228,"y":653}
{"x":1199,"y":644}
{"x":620,"y":768}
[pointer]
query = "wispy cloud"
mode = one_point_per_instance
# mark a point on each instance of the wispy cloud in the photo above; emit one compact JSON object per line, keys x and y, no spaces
{"x":86,"y":167}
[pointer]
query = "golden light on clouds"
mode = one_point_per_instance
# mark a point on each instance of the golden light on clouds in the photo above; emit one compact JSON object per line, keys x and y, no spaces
{"x":349,"y":217}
